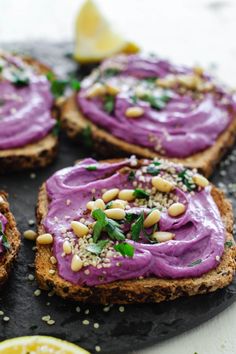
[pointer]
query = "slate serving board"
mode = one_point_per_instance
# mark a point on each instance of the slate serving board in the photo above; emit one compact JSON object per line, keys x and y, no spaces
{"x":138,"y":326}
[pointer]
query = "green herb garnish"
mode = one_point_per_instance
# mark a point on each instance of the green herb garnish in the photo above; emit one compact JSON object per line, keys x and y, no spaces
{"x":156,"y":102}
{"x":58,"y":86}
{"x":109,"y":103}
{"x":150,"y":80}
{"x":137,"y":227}
{"x":152,"y":170}
{"x":113,"y":230}
{"x":185,"y":180}
{"x":130,"y":217}
{"x":125,"y":249}
{"x":141,"y":194}
{"x":3,"y":237}
{"x":229,"y":244}
{"x":105,"y":224}
{"x":91,"y":168}
{"x":198,"y":261}
{"x":75,"y":84}
{"x":131,"y":176}
{"x":97,"y":248}
{"x":19,"y":79}
{"x":109,"y":72}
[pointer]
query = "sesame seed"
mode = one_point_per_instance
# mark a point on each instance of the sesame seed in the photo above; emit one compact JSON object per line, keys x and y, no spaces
{"x":96,"y":325}
{"x":121,"y":309}
{"x":33,"y":175}
{"x":6,"y":318}
{"x":53,"y":260}
{"x":46,"y":318}
{"x":97,"y":348}
{"x":1,"y":313}
{"x":106,"y":308}
{"x":85,"y":322}
{"x":37,"y":292}
{"x":51,"y":322}
{"x":31,"y":277}
{"x":86,"y":312}
{"x":77,"y":309}
{"x":48,"y":303}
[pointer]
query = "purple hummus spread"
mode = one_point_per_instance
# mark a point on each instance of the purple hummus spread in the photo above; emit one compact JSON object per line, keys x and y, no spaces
{"x":3,"y":222}
{"x":25,"y":104}
{"x":173,"y":110}
{"x":128,"y":220}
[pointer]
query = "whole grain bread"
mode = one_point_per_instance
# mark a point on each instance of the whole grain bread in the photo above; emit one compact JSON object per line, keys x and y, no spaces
{"x":137,"y":290}
{"x":37,"y":154}
{"x":13,"y":237}
{"x":74,"y":123}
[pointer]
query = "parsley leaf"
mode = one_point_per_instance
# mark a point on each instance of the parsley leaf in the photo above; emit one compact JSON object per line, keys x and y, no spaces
{"x":183,"y":175}
{"x":75,"y":84}
{"x":113,"y":230}
{"x":137,"y":227}
{"x":150,"y":80}
{"x":125,"y":249}
{"x":97,"y":248}
{"x":141,"y":193}
{"x":229,"y":244}
{"x":3,"y":237}
{"x":91,"y":168}
{"x":58,"y":86}
{"x":198,"y":261}
{"x":19,"y":79}
{"x":131,"y":176}
{"x":100,"y":216}
{"x":156,"y":102}
{"x":152,"y":170}
{"x":109,"y":103}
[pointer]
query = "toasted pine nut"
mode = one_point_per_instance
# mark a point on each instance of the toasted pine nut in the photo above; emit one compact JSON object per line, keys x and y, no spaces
{"x":79,"y":229}
{"x":162,"y":236}
{"x":200,"y":180}
{"x":112,"y":90}
{"x":90,"y":205}
{"x":116,"y":214}
{"x":162,"y":185}
{"x":99,"y":204}
{"x":134,"y":112}
{"x":76,"y":263}
{"x":152,"y":218}
{"x":110,"y":195}
{"x":127,"y":194}
{"x":45,"y":239}
{"x":30,"y":235}
{"x":96,"y":90}
{"x":118,"y":203}
{"x":67,"y":247}
{"x":198,"y":70}
{"x":176,"y":209}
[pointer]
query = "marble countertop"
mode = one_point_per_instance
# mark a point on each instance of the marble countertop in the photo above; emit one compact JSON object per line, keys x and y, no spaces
{"x":187,"y":31}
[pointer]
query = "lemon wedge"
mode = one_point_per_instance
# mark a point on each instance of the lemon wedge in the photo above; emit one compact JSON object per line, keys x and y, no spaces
{"x":39,"y":345}
{"x":95,"y":38}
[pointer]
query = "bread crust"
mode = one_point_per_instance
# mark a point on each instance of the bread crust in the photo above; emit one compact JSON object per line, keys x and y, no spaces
{"x":137,"y":290}
{"x":74,"y":122}
{"x":37,"y":154}
{"x":13,"y":237}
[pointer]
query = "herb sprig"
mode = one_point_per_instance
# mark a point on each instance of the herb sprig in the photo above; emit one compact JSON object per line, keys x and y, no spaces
{"x":3,"y":237}
{"x":58,"y":86}
{"x":183,"y":175}
{"x":109,"y":103}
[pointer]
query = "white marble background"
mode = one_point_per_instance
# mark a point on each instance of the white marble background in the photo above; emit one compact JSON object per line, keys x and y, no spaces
{"x":189,"y":31}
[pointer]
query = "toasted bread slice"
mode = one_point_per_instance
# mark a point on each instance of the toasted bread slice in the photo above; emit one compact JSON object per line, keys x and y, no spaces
{"x":138,"y":290}
{"x":37,"y":154}
{"x":13,"y":237}
{"x":74,"y":123}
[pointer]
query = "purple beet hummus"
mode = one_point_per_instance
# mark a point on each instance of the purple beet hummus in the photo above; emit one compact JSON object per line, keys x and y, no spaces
{"x":184,"y":110}
{"x":3,"y":222}
{"x":25,"y":104}
{"x":199,"y":233}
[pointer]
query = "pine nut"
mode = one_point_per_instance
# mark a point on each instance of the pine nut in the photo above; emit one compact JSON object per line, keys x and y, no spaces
{"x":110,"y":195}
{"x":112,"y":90}
{"x":79,"y":229}
{"x":30,"y":235}
{"x":176,"y":209}
{"x":99,"y":204}
{"x":90,"y":205}
{"x":134,"y":112}
{"x":96,"y":90}
{"x":162,"y":236}
{"x":200,"y":181}
{"x":162,"y":185}
{"x":67,"y":247}
{"x":152,"y":218}
{"x":76,"y":263}
{"x":45,"y":239}
{"x":118,"y":203}
{"x":116,"y":214}
{"x":127,"y":194}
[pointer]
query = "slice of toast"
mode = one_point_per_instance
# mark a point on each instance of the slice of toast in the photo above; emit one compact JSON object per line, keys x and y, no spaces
{"x":13,"y":237}
{"x":74,"y":123}
{"x":37,"y":154}
{"x":137,"y":290}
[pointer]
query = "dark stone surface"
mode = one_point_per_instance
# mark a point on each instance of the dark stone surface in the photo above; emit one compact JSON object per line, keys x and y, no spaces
{"x":140,"y":325}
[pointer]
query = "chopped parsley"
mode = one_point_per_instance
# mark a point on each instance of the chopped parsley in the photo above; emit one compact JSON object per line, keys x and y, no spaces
{"x":229,"y":244}
{"x":58,"y":86}
{"x":75,"y":85}
{"x":198,"y":261}
{"x":3,"y":237}
{"x":105,"y":224}
{"x":125,"y":249}
{"x":91,"y":168}
{"x":141,"y":193}
{"x":152,"y":170}
{"x":19,"y":78}
{"x":137,"y":227}
{"x":109,"y":72}
{"x":156,"y":102}
{"x":109,"y":103}
{"x":150,"y":80}
{"x":97,"y":248}
{"x":183,"y":175}
{"x":131,"y":176}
